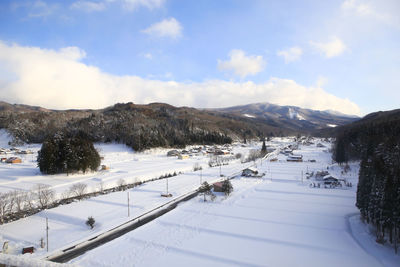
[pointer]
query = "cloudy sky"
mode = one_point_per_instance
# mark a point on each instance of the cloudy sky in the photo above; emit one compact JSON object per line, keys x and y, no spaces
{"x":339,"y":55}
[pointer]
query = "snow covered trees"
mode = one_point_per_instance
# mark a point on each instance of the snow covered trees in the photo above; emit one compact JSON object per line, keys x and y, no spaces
{"x":227,"y":187}
{"x":67,"y":153}
{"x":205,"y":189}
{"x":375,"y":140}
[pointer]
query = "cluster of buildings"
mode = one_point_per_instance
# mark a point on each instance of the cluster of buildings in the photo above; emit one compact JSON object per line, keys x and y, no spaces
{"x":13,"y":159}
{"x":288,"y":151}
{"x":201,"y":151}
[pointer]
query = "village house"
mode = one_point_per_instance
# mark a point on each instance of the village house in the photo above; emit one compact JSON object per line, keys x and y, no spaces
{"x":217,"y":187}
{"x":172,"y":153}
{"x":249,"y":172}
{"x":319,"y":175}
{"x":332,"y":181}
{"x":13,"y":160}
{"x":295,"y":158}
{"x":183,"y":156}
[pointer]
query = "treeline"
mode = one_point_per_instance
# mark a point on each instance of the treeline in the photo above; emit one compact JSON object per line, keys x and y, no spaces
{"x":376,"y":142}
{"x":141,"y":131}
{"x":138,"y":126}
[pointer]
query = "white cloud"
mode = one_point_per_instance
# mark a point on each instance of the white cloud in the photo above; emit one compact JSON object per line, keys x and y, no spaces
{"x":377,"y":10}
{"x":39,"y":9}
{"x":148,"y":56}
{"x":88,"y":6}
{"x":242,"y":65}
{"x":321,"y":81}
{"x":291,"y":54}
{"x":333,"y":48}
{"x":360,"y":8}
{"x":59,"y":80}
{"x":150,"y":4}
{"x":165,"y":28}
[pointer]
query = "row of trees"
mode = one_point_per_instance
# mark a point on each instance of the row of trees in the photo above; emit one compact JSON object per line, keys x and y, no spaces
{"x":378,"y":192}
{"x":17,"y":202}
{"x":377,"y":144}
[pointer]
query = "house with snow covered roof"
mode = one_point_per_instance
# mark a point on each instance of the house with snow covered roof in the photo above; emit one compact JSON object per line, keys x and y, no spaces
{"x":248,"y":172}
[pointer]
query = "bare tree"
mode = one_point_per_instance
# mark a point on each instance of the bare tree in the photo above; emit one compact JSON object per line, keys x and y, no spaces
{"x":66,"y":194}
{"x":45,"y":195}
{"x":197,"y":167}
{"x":19,"y":197}
{"x":78,"y":190}
{"x":29,"y":200}
{"x":101,"y":187}
{"x":121,"y":184}
{"x":5,"y":202}
{"x":253,"y":155}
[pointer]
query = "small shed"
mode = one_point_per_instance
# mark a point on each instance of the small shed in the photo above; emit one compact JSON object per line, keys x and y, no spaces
{"x":217,"y":187}
{"x":173,"y":153}
{"x":28,"y":250}
{"x":295,"y":158}
{"x":183,"y":156}
{"x":248,"y":172}
{"x":14,"y":160}
{"x":104,"y":167}
{"x":329,"y":179}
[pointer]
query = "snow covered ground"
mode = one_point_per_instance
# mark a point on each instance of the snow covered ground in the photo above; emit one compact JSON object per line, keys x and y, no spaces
{"x":274,"y":221}
{"x":122,"y":161}
{"x":67,"y":223}
{"x":278,"y":222}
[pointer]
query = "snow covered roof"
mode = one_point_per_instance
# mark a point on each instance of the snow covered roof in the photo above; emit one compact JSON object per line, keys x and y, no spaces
{"x":329,"y":176}
{"x":252,"y":169}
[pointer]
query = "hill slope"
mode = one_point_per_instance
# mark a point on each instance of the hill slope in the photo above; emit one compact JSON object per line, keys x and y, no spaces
{"x":158,"y":124}
{"x":290,"y":117}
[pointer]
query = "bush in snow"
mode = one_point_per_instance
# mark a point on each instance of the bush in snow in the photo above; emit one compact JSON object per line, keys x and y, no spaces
{"x":67,"y":153}
{"x":90,"y":222}
{"x":197,"y":167}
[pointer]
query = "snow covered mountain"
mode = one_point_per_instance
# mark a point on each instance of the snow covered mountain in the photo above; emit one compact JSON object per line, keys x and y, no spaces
{"x":290,"y":117}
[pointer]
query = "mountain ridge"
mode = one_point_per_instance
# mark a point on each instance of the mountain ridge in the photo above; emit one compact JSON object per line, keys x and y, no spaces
{"x":160,"y":124}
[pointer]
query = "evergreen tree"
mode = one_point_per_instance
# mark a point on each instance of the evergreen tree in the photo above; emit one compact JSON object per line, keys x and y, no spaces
{"x":67,"y":153}
{"x":227,"y":187}
{"x":263,"y":148}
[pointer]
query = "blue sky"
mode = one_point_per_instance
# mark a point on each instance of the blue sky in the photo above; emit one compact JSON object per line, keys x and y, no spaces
{"x":340,"y":55}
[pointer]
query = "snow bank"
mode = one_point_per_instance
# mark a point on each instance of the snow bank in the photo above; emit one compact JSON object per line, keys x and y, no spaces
{"x":26,"y":261}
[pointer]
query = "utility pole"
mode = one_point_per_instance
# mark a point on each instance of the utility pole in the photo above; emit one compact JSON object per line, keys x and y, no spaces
{"x":47,"y":233}
{"x":128,"y":205}
{"x":201,"y":176}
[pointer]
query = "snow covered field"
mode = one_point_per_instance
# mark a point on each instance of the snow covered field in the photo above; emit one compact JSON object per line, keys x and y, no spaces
{"x":274,"y":221}
{"x":282,"y":222}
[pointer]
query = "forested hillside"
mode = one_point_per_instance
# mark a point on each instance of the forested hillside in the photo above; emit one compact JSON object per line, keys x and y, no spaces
{"x":138,"y":126}
{"x":375,"y":140}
